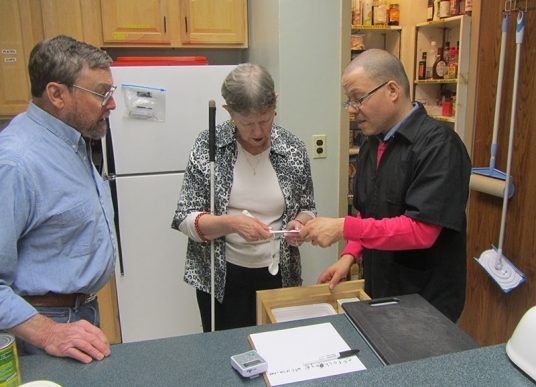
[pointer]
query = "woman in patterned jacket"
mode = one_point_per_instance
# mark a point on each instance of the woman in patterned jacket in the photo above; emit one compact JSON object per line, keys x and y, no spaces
{"x":262,"y":184}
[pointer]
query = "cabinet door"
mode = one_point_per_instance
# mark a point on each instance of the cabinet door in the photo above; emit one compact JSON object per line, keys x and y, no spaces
{"x":135,"y":21}
{"x":18,"y":34}
{"x":109,"y":313}
{"x":79,"y":19}
{"x":214,"y":22}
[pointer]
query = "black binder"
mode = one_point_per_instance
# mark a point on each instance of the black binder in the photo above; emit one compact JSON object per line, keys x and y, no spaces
{"x":406,"y":328}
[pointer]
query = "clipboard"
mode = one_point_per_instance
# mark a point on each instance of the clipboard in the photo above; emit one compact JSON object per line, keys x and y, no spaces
{"x":405,"y":328}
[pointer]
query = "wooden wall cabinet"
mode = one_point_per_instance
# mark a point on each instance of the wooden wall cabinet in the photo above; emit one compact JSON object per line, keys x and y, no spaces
{"x":110,"y":23}
{"x":174,"y":23}
{"x":23,"y":23}
{"x":214,"y":22}
{"x":19,"y":30}
{"x":135,"y":22}
{"x":80,"y":19}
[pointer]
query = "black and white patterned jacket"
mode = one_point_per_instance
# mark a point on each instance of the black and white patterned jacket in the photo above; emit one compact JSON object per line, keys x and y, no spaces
{"x":289,"y":158}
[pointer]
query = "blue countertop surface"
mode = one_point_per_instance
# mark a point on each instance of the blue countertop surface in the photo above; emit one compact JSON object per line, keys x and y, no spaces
{"x":203,"y":360}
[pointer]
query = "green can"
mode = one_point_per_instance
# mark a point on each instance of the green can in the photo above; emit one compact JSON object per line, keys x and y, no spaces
{"x":9,"y":362}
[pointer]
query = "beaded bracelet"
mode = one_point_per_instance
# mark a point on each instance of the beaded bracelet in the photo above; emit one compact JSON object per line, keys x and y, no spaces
{"x":197,"y":229}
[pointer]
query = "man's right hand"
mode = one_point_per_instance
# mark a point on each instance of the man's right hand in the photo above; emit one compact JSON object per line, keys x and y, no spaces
{"x":337,"y":271}
{"x":79,"y":340}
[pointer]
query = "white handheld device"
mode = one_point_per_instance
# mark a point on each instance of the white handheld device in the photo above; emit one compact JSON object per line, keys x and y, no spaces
{"x":249,"y":364}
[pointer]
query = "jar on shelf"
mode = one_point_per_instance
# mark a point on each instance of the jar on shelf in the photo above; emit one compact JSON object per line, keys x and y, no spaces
{"x":358,"y":41}
{"x":394,"y":15}
{"x":444,"y":9}
{"x":446,"y":107}
{"x":366,"y":14}
{"x":379,"y":13}
{"x":468,"y":7}
{"x":454,"y":7}
{"x":356,"y":12}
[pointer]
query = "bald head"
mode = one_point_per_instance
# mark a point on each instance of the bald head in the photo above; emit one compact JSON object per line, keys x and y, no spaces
{"x":380,"y":66}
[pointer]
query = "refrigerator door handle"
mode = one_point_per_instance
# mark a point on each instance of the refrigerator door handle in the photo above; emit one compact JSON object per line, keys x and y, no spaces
{"x":111,"y":176}
{"x":113,"y":191}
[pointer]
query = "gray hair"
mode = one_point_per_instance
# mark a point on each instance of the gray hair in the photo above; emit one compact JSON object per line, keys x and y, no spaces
{"x":249,"y":88}
{"x":380,"y":66}
{"x":61,"y":59}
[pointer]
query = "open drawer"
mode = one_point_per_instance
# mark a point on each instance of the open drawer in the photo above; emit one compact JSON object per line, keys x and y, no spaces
{"x":305,"y":295}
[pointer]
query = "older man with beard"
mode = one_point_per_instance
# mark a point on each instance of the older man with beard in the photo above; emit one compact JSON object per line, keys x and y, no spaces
{"x":57,"y":239}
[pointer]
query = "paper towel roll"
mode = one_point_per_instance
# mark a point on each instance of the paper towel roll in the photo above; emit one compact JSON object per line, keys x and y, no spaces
{"x":489,"y":185}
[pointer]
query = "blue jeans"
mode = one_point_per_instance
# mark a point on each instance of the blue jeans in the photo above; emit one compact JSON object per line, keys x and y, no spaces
{"x":88,"y":311}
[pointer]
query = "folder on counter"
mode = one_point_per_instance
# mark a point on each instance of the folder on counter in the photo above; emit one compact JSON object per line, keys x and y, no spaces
{"x":406,"y":328}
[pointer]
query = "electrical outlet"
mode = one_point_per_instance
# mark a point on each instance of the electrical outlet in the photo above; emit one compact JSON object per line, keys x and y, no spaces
{"x":320,"y":146}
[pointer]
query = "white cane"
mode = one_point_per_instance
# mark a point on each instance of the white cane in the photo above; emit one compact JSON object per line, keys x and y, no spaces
{"x":211,"y":157}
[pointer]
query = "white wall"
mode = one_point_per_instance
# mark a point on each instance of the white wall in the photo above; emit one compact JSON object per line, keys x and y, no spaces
{"x":305,"y":46}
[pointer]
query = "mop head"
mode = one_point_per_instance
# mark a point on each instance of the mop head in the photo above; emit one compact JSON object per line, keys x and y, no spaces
{"x":508,"y":277}
{"x":489,"y":171}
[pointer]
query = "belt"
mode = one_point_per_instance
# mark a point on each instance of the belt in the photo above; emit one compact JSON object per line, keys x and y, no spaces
{"x":60,"y":300}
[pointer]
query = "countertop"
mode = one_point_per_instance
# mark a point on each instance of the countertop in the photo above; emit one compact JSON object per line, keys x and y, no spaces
{"x":203,"y":360}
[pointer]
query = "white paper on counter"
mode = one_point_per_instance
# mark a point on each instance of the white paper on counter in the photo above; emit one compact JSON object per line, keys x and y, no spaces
{"x":293,"y":354}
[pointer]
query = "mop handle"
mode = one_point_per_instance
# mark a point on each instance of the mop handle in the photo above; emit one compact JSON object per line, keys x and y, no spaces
{"x":498,"y":97}
{"x":520,"y":27}
{"x":211,"y":156}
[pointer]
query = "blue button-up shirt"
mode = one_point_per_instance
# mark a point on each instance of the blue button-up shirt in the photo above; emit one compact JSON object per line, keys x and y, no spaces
{"x":56,"y":216}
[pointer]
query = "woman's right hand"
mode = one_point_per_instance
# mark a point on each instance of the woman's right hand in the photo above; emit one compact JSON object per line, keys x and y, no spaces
{"x":251,"y":228}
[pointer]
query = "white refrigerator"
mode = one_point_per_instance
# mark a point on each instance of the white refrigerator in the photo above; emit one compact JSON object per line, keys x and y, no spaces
{"x":151,"y":133}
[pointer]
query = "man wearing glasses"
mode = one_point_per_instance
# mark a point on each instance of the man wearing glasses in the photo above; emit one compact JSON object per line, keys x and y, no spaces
{"x":411,"y":190}
{"x":57,"y":242}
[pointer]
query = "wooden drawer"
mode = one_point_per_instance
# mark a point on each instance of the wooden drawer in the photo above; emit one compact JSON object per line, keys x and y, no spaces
{"x":305,"y":295}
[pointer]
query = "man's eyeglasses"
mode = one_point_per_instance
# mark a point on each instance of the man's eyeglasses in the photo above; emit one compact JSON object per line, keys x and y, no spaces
{"x":105,"y":97}
{"x":356,"y":103}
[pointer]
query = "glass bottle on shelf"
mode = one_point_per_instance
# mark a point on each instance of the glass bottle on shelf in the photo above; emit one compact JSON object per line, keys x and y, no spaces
{"x":356,"y":12}
{"x":446,"y":106}
{"x":422,"y":67}
{"x":394,"y":15}
{"x":430,"y":11}
{"x":367,"y":12}
{"x":468,"y":7}
{"x":454,"y":7}
{"x":379,"y":13}
{"x":430,"y":59}
{"x":436,"y":9}
{"x":453,"y":61}
{"x":440,"y":66}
